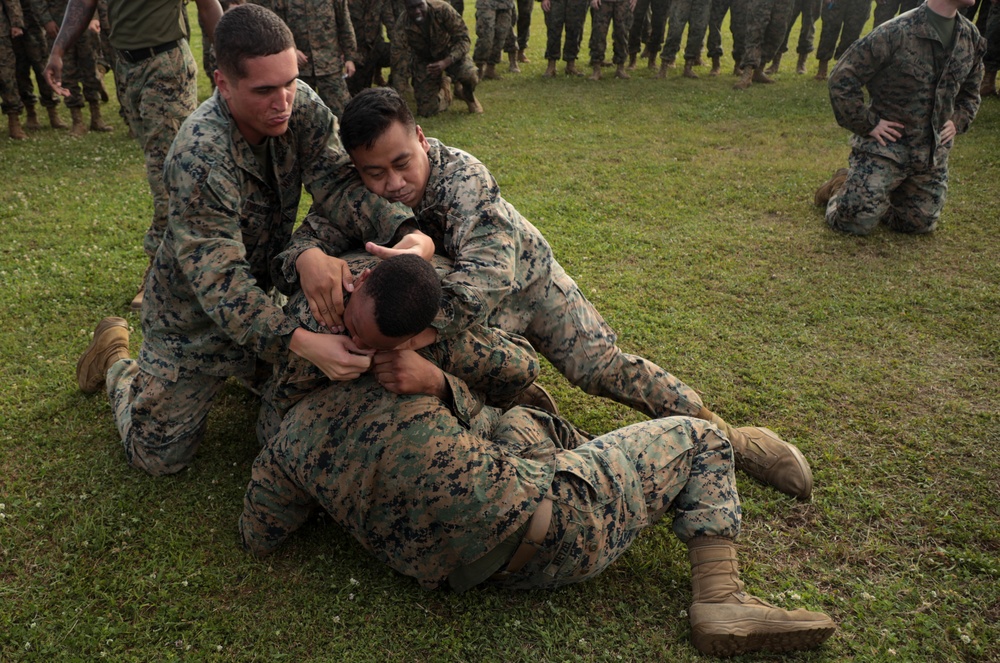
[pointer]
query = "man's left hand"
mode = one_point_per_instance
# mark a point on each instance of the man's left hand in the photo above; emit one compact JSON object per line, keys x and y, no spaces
{"x":406,"y":372}
{"x":948,"y":131}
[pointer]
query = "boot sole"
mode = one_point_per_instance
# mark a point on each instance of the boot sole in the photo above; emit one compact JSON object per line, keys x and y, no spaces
{"x":746,"y":639}
{"x":87,"y":356}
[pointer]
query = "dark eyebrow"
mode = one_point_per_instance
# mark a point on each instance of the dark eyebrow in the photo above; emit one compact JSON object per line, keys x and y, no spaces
{"x":265,"y":88}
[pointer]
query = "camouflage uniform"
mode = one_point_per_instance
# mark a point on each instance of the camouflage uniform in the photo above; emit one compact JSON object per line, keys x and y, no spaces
{"x":693,"y":14}
{"x":843,"y":19}
{"x":506,"y":276}
{"x":915,"y":80}
{"x":490,"y":361}
{"x":568,"y":14}
{"x":80,"y":59}
{"x":493,"y":21}
{"x":809,"y":10}
{"x":323,"y":31}
{"x":32,"y":51}
{"x":991,"y":60}
{"x":207,"y":313}
{"x":10,"y":17}
{"x":888,"y":9}
{"x":737,"y":10}
{"x":522,"y":22}
{"x":601,"y":18}
{"x":367,"y":17}
{"x":442,"y":35}
{"x":766,"y":22}
{"x":429,"y":494}
{"x":655,"y":26}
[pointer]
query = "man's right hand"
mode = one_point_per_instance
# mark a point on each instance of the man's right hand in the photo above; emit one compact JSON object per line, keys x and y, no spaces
{"x":437,"y":68}
{"x":415,"y":242}
{"x":334,"y":354}
{"x":324,"y":280}
{"x":886,"y":131}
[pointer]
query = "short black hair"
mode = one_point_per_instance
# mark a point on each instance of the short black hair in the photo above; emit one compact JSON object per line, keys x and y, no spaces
{"x":249,"y":31}
{"x":406,"y":293}
{"x":369,"y":114}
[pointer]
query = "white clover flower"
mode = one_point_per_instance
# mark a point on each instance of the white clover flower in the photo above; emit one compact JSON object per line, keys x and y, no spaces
{"x":964,"y":638}
{"x":185,"y":583}
{"x":866,"y":596}
{"x":582,"y":641}
{"x":218,"y":647}
{"x":517,"y":623}
{"x":336,"y":619}
{"x":2,"y":506}
{"x":892,"y":652}
{"x":354,"y":582}
{"x":682,"y":614}
{"x":33,"y":625}
{"x":795,"y":596}
{"x":350,"y":597}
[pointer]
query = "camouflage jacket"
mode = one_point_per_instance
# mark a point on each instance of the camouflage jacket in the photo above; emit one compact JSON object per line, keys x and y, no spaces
{"x":31,"y":22}
{"x":322,"y":30}
{"x":912,"y":79}
{"x":11,"y":17}
{"x":367,"y":17}
{"x":442,"y":34}
{"x":496,"y":365}
{"x":418,"y":490}
{"x":47,"y":11}
{"x":498,"y":254}
{"x":206,"y":308}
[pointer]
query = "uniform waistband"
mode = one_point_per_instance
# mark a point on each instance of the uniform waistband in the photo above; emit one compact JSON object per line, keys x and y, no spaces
{"x":134,"y":55}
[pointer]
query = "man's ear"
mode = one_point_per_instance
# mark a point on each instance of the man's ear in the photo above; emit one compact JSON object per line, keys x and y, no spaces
{"x":221,"y":82}
{"x":423,"y":139}
{"x":361,"y":278}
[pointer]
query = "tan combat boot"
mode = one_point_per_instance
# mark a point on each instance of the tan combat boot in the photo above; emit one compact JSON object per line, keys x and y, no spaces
{"x":621,"y":73}
{"x":775,"y":65}
{"x":746,"y":78}
{"x":54,"y":120}
{"x":79,"y":128}
{"x":726,"y":621}
{"x":716,"y":66}
{"x":689,"y":70}
{"x":651,"y":65}
{"x":800,"y":66}
{"x":512,"y":66}
{"x":31,"y":122}
{"x":474,"y":105}
{"x":631,"y":61}
{"x":596,"y":76}
{"x":14,"y":129}
{"x":521,"y":57}
{"x":989,"y":85}
{"x":491,"y":73}
{"x":828,"y":188}
{"x":760,"y":77}
{"x":96,"y":121}
{"x":550,"y":71}
{"x":822,"y":71}
{"x":110,"y":343}
{"x":662,"y":73}
{"x":571,"y":69}
{"x":761,"y":454}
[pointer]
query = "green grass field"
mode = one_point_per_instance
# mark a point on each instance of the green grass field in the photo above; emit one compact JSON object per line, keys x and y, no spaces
{"x":684,"y":210}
